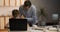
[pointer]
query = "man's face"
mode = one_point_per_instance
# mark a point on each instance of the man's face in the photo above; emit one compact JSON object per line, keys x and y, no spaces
{"x":27,"y":7}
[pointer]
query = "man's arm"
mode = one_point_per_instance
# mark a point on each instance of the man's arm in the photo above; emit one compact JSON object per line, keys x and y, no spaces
{"x":20,"y":10}
{"x":34,"y":16}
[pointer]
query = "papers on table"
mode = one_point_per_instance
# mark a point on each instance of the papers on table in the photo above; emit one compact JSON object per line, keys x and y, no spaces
{"x":36,"y":31}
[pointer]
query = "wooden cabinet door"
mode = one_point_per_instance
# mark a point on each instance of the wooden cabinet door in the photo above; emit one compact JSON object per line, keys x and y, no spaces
{"x":1,"y":22}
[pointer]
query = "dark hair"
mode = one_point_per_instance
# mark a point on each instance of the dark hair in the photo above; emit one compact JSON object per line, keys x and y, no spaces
{"x":15,"y":12}
{"x":27,"y":3}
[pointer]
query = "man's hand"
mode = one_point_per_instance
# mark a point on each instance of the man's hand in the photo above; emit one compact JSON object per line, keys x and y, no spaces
{"x":22,"y":17}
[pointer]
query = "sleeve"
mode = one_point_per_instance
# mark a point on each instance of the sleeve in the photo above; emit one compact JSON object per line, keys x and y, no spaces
{"x":34,"y":16}
{"x":20,"y":10}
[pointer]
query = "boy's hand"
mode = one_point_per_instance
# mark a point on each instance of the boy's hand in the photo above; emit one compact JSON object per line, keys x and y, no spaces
{"x":22,"y":17}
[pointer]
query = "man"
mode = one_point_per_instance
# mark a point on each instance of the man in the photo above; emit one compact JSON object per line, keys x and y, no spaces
{"x":28,"y":11}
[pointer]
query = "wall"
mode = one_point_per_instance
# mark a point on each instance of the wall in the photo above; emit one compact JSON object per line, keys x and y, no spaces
{"x":6,"y":6}
{"x":6,"y":10}
{"x":51,"y":6}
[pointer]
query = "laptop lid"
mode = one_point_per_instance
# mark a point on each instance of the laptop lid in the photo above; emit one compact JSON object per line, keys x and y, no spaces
{"x":18,"y":24}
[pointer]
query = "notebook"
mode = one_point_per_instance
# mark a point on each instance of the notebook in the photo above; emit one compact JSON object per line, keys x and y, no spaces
{"x":18,"y":24}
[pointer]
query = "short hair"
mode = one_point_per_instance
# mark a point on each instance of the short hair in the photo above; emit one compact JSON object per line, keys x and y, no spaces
{"x":15,"y":12}
{"x":27,"y":3}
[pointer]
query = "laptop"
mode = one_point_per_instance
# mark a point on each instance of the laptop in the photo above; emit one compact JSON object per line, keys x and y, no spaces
{"x":18,"y":24}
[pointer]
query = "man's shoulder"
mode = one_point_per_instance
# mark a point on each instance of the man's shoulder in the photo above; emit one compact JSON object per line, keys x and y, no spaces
{"x":33,"y":7}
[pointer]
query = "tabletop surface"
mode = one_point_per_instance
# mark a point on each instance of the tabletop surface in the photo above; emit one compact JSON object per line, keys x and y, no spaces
{"x":37,"y":29}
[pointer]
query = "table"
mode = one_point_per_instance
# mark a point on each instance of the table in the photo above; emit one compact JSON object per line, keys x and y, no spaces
{"x":38,"y":29}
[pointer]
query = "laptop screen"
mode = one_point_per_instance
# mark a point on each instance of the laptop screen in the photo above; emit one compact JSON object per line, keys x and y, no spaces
{"x":18,"y":24}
